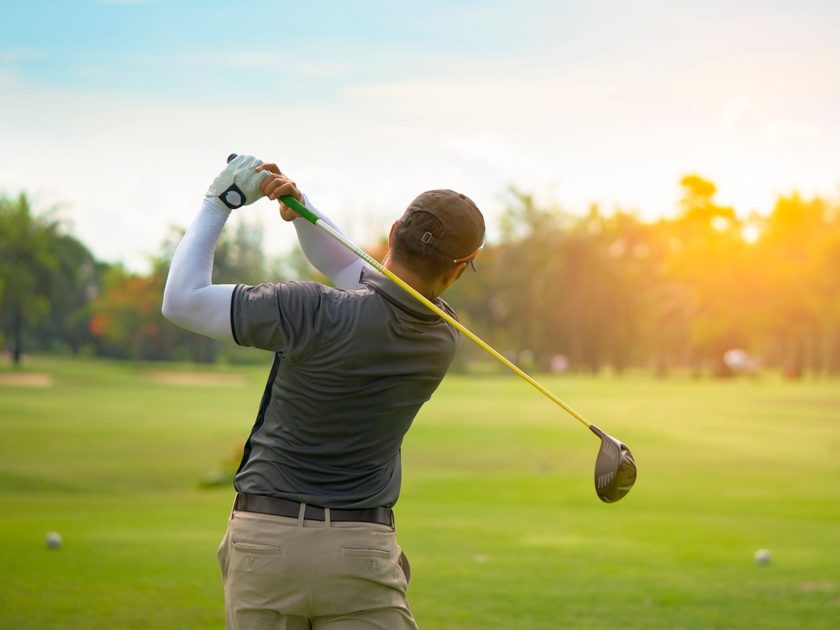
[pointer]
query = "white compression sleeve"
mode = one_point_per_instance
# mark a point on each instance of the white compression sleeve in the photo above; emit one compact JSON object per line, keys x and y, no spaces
{"x":190,"y":300}
{"x":326,"y":254}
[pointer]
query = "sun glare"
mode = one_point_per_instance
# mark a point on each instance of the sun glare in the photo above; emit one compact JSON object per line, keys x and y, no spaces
{"x":750,"y":233}
{"x":721,"y":224}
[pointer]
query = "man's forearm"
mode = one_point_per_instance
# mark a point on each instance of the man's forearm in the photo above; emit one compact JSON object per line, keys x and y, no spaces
{"x":326,"y":254}
{"x":190,"y":300}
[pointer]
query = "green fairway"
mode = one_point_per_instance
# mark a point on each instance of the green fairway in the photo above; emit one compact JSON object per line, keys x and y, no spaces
{"x":498,"y":513}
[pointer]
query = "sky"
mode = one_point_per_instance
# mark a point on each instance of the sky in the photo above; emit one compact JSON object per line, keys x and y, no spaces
{"x":121,"y":112}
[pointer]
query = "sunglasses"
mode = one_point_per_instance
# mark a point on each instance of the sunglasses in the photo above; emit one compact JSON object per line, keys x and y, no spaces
{"x":470,"y":259}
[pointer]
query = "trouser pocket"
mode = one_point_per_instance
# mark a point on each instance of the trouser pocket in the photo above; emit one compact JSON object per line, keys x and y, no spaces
{"x":223,"y":555}
{"x":405,"y":566}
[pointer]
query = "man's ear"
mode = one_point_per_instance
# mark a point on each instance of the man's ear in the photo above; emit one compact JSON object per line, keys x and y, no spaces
{"x":391,"y":233}
{"x":453,"y":274}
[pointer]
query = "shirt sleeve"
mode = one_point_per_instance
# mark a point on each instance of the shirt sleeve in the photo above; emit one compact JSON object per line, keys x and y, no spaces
{"x":284,"y":317}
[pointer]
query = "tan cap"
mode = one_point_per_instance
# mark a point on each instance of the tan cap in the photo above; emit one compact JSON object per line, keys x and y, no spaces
{"x":461,"y":230}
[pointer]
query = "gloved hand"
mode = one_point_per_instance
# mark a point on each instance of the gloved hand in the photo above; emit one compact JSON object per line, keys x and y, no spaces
{"x":239,"y":184}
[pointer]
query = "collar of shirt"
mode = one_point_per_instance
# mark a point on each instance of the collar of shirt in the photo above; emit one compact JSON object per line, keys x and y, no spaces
{"x":399,"y":297}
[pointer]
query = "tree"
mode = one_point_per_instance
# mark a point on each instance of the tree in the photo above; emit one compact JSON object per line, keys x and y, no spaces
{"x":126,"y":318}
{"x":26,"y":248}
{"x":710,"y":265}
{"x":801,"y":247}
{"x":599,"y":288}
{"x":74,"y":283}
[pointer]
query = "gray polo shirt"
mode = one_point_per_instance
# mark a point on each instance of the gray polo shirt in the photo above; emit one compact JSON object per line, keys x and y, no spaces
{"x":351,"y":370}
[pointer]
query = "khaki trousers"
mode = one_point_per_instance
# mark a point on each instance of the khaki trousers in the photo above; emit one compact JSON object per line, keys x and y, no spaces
{"x":294,"y":574}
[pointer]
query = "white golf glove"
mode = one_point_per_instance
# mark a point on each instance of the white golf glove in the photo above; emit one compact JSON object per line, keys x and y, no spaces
{"x":238,"y":185}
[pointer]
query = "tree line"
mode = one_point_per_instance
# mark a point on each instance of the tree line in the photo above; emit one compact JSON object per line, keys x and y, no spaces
{"x":557,"y":291}
{"x":55,"y":296}
{"x":610,"y":290}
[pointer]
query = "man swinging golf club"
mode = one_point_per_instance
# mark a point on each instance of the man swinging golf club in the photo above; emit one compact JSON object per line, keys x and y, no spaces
{"x":311,"y":541}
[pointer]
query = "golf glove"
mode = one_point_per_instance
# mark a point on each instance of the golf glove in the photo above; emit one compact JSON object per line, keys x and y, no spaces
{"x":238,"y":185}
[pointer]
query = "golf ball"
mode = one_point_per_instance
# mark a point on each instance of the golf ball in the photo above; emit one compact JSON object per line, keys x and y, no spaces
{"x":53,"y":540}
{"x":762,"y":556}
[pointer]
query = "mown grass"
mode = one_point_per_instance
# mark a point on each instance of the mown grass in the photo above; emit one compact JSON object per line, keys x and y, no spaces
{"x":498,"y":513}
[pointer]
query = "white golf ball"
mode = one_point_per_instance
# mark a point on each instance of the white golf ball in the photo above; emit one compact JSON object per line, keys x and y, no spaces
{"x":53,"y":540}
{"x":762,"y":556}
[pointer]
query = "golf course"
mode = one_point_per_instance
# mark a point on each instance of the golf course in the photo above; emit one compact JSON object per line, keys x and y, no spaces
{"x":498,"y":512}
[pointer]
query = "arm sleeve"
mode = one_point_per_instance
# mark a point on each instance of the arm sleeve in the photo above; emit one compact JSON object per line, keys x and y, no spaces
{"x":284,"y":317}
{"x":326,"y":254}
{"x":190,"y":300}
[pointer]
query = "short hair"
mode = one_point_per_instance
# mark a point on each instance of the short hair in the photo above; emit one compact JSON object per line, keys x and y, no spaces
{"x":411,"y":252}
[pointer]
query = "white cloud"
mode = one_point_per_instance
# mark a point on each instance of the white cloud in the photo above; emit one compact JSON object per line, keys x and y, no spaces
{"x":617,"y":133}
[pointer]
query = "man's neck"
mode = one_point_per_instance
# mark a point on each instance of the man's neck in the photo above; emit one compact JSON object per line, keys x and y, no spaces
{"x":417,"y":283}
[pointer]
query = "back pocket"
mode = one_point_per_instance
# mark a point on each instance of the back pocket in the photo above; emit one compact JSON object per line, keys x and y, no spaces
{"x":250,"y":546}
{"x":365,"y":552}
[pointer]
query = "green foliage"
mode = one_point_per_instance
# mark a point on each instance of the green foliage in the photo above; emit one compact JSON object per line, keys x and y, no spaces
{"x":126,"y":318}
{"x":239,"y":256}
{"x":28,"y":262}
{"x":610,"y":290}
{"x":602,"y":289}
{"x":47,"y":280}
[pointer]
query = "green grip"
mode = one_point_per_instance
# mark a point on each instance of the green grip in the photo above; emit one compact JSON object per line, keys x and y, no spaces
{"x":298,"y":207}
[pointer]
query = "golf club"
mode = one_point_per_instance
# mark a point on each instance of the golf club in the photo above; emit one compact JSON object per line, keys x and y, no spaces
{"x":615,"y":468}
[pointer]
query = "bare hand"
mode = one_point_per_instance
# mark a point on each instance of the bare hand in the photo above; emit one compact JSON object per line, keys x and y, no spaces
{"x":278,"y":185}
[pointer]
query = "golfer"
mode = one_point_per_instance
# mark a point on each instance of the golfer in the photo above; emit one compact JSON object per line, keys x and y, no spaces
{"x":311,"y":541}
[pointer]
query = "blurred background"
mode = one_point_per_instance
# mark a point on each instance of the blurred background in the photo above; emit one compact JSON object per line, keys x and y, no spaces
{"x":661,"y":185}
{"x":660,"y":181}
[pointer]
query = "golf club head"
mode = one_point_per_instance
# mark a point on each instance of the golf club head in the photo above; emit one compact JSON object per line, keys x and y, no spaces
{"x":615,"y":469}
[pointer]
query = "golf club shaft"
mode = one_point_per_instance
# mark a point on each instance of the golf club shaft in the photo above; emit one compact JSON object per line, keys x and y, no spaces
{"x":307,"y":214}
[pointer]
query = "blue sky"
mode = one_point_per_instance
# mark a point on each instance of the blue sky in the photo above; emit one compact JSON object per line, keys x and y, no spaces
{"x":122,"y":112}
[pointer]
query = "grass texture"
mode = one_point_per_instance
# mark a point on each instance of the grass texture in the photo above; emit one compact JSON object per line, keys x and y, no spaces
{"x":498,"y":512}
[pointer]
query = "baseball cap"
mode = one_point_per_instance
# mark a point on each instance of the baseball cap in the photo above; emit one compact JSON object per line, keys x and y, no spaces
{"x":457,"y":232}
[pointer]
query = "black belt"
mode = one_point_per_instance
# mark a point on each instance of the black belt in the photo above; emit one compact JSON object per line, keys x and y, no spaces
{"x":285,"y":507}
